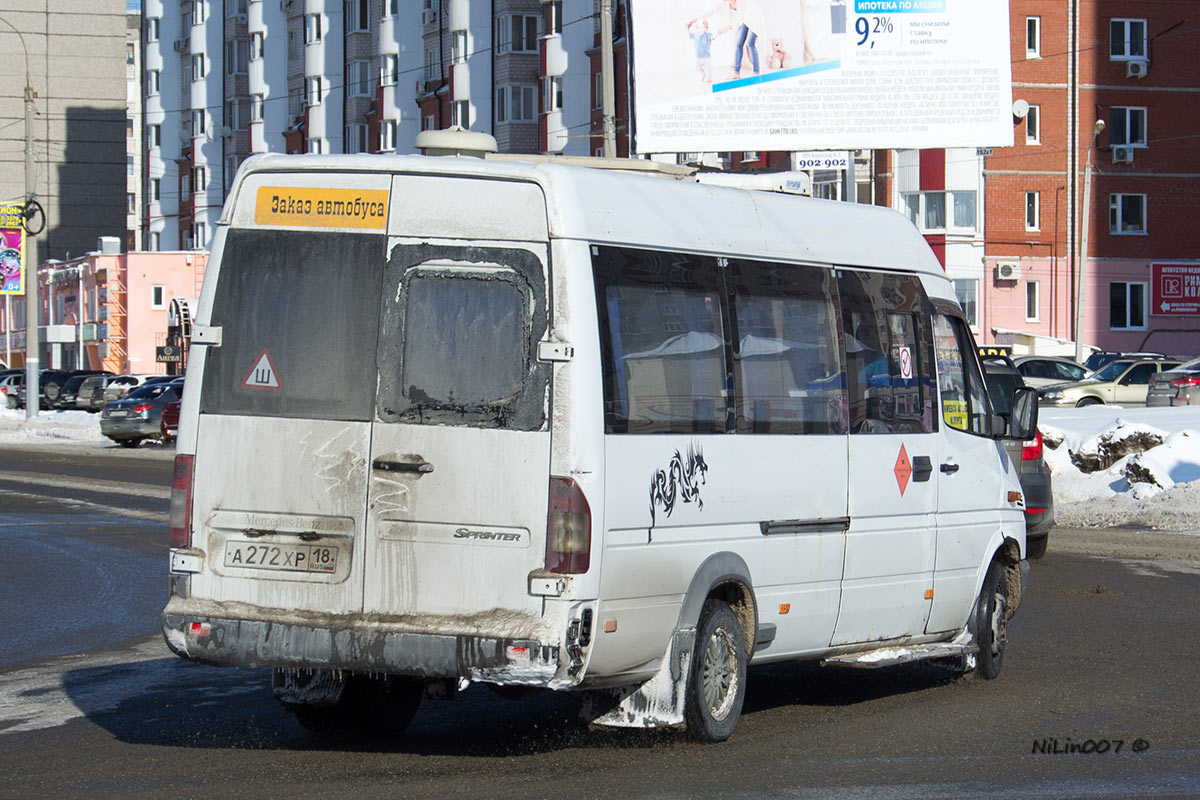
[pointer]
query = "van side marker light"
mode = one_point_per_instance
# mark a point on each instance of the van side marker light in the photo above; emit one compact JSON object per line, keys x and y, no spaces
{"x":929,"y":594}
{"x":785,"y":608}
{"x":1015,"y":497}
{"x":610,"y":626}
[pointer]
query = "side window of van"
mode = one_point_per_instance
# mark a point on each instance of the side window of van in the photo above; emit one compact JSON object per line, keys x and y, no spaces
{"x":889,"y":378}
{"x":786,"y":361}
{"x":963,"y":397}
{"x":663,"y":339}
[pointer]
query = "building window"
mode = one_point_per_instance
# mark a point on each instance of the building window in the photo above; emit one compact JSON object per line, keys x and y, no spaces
{"x":201,"y":236}
{"x":185,"y":184}
{"x":431,"y":65}
{"x":1033,"y":211}
{"x":156,"y":189}
{"x":517,"y":33}
{"x":428,"y":122}
{"x":154,"y":135}
{"x":460,"y":113}
{"x":237,"y":57}
{"x":553,"y":97}
{"x":312,"y":28}
{"x":387,"y":135}
{"x":1126,"y":306}
{"x":391,"y":8}
{"x":129,"y":167}
{"x":360,"y":78}
{"x":152,"y":82}
{"x":256,"y":46}
{"x":1127,"y":39}
{"x":313,"y":90}
{"x":237,"y":113}
{"x":1033,"y":37}
{"x":152,"y":29}
{"x":199,"y":179}
{"x":197,"y":66}
{"x":198,"y":122}
{"x":130,"y":54}
{"x":1033,"y":125}
{"x":927,"y":210}
{"x":231,"y":165}
{"x":128,"y":128}
{"x":1127,"y":126}
{"x":315,"y":146}
{"x":293,"y":40}
{"x":155,"y":241}
{"x":1032,"y":301}
{"x":256,"y":108}
{"x":597,"y":90}
{"x":516,"y":103}
{"x":458,"y":47}
{"x":158,"y":296}
{"x":1126,"y":213}
{"x":356,"y":138}
{"x":358,"y":16}
{"x":389,"y":68}
{"x":295,"y":102}
{"x":235,"y":7}
{"x":199,"y":11}
{"x":967,"y":292}
{"x":552,"y":17}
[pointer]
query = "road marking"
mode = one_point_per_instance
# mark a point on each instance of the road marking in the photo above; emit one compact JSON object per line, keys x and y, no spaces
{"x":118,"y":511}
{"x":110,"y":487}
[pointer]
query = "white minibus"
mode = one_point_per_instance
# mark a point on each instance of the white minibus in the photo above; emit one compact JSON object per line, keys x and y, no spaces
{"x":455,"y":420}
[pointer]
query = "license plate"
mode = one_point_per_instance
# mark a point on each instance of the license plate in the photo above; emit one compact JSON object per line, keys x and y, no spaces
{"x":282,"y":557}
{"x":118,"y":414}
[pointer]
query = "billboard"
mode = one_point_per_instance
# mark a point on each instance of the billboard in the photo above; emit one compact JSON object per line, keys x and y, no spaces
{"x":1175,"y":290}
{"x":718,"y":75}
{"x":12,"y":250}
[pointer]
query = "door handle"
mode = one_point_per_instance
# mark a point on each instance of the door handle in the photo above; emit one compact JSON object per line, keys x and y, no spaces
{"x":421,"y":467}
{"x":949,"y":468}
{"x":922,"y":468}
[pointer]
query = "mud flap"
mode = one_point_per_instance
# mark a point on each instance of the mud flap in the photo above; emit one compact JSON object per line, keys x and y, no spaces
{"x":657,"y":703}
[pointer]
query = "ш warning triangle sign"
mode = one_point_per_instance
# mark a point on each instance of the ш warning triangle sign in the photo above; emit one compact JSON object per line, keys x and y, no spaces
{"x":263,"y":374}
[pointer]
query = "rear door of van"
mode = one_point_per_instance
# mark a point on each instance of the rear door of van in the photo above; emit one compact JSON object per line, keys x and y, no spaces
{"x":458,"y":473}
{"x":287,"y":399}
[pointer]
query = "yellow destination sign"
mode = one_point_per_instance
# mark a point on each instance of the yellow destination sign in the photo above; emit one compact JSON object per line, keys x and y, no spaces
{"x":321,"y":208}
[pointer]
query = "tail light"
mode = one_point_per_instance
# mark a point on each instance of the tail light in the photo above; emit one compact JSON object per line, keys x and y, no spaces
{"x":1182,"y":382}
{"x":568,"y":528}
{"x":1031,"y":450}
{"x":142,"y":408}
{"x":181,"y":502}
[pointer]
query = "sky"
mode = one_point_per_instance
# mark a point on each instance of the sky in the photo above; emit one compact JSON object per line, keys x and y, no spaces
{"x":133,"y":5}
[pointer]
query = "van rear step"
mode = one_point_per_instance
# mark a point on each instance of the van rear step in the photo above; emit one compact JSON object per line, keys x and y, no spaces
{"x":902,"y":654}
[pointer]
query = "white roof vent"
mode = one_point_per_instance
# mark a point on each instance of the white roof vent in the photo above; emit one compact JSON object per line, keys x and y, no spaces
{"x":456,"y":141}
{"x":109,"y":245}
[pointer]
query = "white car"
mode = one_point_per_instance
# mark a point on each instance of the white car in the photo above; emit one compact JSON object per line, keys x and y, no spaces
{"x":1040,"y":371}
{"x":9,"y":387}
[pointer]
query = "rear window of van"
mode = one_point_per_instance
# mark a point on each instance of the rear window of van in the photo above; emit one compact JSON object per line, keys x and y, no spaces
{"x":299,"y":313}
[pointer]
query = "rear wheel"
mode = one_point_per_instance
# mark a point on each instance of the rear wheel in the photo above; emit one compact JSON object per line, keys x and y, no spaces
{"x":991,"y":621}
{"x":717,"y":681}
{"x":372,"y":706}
{"x":129,"y":442}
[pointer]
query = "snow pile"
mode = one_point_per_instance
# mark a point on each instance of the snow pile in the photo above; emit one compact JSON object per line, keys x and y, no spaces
{"x":1115,"y":466}
{"x":49,"y":426}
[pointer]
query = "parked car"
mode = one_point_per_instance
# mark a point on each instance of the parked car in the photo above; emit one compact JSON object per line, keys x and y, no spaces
{"x":1187,"y":389}
{"x":1102,"y":358}
{"x":124,"y":384}
{"x":1162,"y":388}
{"x":10,"y":386}
{"x":170,"y":421}
{"x":138,"y":415}
{"x":69,"y":390}
{"x":1027,"y":458}
{"x":1122,"y":382}
{"x":1038,"y":371}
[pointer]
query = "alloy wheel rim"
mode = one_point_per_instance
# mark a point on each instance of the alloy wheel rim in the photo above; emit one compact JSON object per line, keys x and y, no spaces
{"x":719,"y":674}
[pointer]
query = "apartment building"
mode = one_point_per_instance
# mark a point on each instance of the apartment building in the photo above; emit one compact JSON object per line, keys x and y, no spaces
{"x":1105,"y":95}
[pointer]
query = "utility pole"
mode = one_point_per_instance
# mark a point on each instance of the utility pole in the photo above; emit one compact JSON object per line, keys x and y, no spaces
{"x":608,"y":100}
{"x":1083,"y":242}
{"x":32,"y":385}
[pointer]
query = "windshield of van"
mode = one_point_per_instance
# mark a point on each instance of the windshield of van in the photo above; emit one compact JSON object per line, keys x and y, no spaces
{"x":299,"y":312}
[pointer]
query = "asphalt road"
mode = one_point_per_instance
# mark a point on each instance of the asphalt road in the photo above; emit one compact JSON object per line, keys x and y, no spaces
{"x":1101,"y":658}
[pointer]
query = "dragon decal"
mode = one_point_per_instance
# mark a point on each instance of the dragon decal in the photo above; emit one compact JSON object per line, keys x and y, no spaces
{"x":681,"y":480}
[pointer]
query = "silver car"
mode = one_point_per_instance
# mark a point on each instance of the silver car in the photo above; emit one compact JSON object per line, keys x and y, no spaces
{"x":1161,"y":392}
{"x":1122,"y":382}
{"x":1038,"y":371}
{"x":138,"y":415}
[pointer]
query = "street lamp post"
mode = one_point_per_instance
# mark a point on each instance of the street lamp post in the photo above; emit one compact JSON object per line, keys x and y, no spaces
{"x":1097,"y":129}
{"x":32,"y":386}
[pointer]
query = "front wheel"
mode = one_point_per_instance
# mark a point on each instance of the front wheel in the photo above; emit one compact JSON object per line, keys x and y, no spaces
{"x":1089,"y":401}
{"x":717,"y":681}
{"x":991,"y":625}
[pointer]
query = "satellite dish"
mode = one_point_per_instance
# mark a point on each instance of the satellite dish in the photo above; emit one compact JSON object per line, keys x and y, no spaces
{"x":1020,"y":109}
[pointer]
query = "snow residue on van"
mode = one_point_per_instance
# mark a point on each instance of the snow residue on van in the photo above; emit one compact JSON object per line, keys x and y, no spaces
{"x":1115,"y":466}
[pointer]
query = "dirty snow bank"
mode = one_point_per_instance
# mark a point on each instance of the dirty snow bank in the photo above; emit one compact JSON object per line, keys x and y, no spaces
{"x":50,"y":426}
{"x":1124,"y":466}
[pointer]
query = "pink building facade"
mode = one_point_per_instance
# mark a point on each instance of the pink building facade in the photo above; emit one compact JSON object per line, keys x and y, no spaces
{"x":104,"y":311}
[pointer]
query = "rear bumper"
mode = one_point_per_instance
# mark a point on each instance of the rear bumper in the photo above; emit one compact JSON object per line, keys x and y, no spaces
{"x":130,"y":428}
{"x":372,"y":649}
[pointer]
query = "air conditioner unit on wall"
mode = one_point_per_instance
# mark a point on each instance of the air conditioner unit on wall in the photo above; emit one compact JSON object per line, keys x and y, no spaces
{"x":181,"y":45}
{"x":1136,"y":69}
{"x":243,"y":18}
{"x":1122,"y":155}
{"x":429,"y":16}
{"x":1008,"y":271}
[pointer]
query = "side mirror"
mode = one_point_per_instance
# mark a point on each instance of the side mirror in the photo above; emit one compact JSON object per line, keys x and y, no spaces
{"x":1022,"y":423}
